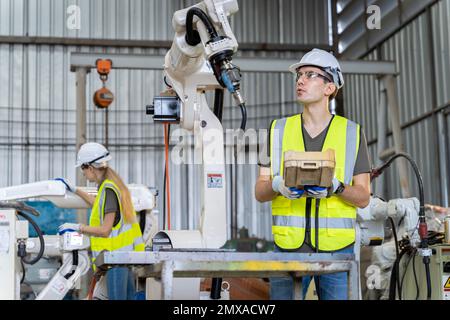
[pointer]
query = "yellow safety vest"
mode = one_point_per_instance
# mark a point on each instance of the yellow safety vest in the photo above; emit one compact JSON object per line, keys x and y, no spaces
{"x":123,"y":237}
{"x":336,"y":220}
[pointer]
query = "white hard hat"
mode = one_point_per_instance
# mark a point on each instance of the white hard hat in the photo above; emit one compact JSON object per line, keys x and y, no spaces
{"x":324,"y":60}
{"x":92,"y":153}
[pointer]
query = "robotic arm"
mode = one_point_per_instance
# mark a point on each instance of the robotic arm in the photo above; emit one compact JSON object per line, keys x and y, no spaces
{"x":213,"y":40}
{"x":73,"y":247}
{"x":371,"y":220}
{"x":200,"y":58}
{"x":371,"y":223}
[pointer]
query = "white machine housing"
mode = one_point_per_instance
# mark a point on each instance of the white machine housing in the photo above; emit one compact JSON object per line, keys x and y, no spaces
{"x":371,"y":222}
{"x":190,"y":73}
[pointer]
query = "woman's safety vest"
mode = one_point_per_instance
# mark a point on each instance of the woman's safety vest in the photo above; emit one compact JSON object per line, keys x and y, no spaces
{"x":123,"y":237}
{"x":336,"y":219}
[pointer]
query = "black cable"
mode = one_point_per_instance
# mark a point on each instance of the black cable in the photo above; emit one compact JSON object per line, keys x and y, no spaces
{"x":244,"y":116}
{"x":394,"y":231}
{"x":40,"y":235}
{"x":395,"y":281}
{"x":422,"y":219}
{"x":316,"y":235}
{"x":165,"y":81}
{"x":435,"y":238}
{"x":392,"y":280}
{"x":142,"y":220}
{"x":415,"y":280}
{"x":23,"y":271}
{"x":164,"y":188}
{"x":74,"y":264}
{"x":192,"y":36}
{"x":377,"y":171}
{"x":397,"y":254}
{"x":19,"y":206}
{"x":216,"y":287}
{"x":316,"y":227}
{"x":400,"y":221}
{"x":413,"y":256}
{"x":428,"y":276}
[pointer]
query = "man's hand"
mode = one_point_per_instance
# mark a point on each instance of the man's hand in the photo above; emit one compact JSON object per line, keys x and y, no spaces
{"x":335,"y":186}
{"x":68,"y":227}
{"x":70,"y":187}
{"x":322,"y":192}
{"x":279,"y":186}
{"x":316,"y":192}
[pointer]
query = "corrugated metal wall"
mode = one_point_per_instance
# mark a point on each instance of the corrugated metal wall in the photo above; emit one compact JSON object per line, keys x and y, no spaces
{"x":441,"y":37}
{"x":258,"y":21}
{"x":412,"y":49}
{"x":37,"y":98}
{"x":358,"y":29}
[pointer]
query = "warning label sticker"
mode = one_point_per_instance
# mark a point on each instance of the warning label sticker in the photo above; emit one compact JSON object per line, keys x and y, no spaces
{"x":446,"y":287}
{"x":215,"y":180}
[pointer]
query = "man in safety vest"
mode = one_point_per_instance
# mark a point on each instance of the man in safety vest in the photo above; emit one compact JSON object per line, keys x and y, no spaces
{"x":295,"y":225}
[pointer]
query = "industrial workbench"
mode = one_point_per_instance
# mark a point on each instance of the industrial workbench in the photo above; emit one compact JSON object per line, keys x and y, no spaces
{"x":225,"y":263}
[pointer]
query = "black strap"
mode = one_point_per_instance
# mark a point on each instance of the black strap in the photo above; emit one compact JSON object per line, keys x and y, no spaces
{"x":308,"y":221}
{"x":103,"y":156}
{"x":317,"y":224}
{"x":317,"y":244}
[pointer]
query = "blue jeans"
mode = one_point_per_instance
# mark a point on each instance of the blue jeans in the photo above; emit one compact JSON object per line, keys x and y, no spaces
{"x":331,"y":286}
{"x":120,"y":282}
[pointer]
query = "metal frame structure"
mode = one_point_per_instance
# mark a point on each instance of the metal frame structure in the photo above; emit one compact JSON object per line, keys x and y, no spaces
{"x":82,"y":63}
{"x":191,"y":263}
{"x":354,"y":38}
{"x":148,"y":44}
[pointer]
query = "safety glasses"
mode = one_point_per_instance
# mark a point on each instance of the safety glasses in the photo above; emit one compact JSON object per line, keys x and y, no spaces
{"x":311,"y":75}
{"x":88,"y":164}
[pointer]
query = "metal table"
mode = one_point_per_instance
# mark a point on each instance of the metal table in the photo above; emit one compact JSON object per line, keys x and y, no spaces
{"x":223,"y":263}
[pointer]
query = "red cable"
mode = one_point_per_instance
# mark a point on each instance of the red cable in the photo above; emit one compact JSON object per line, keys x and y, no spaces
{"x":166,"y":153}
{"x":91,"y":288}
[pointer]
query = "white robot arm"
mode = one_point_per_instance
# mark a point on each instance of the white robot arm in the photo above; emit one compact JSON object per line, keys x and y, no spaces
{"x":73,"y":247}
{"x":200,"y":60}
{"x":55,"y":191}
{"x":371,"y":220}
{"x":190,"y":45}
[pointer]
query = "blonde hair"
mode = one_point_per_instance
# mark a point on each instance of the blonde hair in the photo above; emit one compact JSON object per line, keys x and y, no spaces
{"x":334,"y":94}
{"x":125,"y":196}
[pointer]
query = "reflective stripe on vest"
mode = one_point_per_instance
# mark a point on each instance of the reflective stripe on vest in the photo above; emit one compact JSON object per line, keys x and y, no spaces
{"x":300,"y":222}
{"x":277,"y":136}
{"x":351,"y":147}
{"x":336,"y":218}
{"x":123,"y":236}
